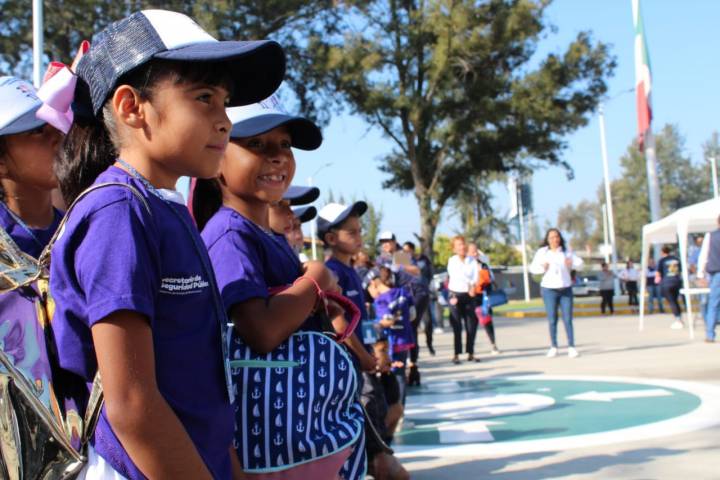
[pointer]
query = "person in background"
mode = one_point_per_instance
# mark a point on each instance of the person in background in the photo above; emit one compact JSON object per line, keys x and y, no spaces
{"x":607,"y":288}
{"x":708,"y":268}
{"x":693,"y":254}
{"x":285,"y":221}
{"x":653,"y":288}
{"x":462,"y":276}
{"x":482,"y":287}
{"x":296,"y":239}
{"x":630,"y":276}
{"x":669,"y":277}
{"x":424,"y":311}
{"x":554,"y":261}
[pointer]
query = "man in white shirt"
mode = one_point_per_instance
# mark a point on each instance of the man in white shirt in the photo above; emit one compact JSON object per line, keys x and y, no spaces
{"x":630,"y":276}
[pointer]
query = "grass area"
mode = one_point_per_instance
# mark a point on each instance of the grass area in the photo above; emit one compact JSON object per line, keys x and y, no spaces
{"x":515,"y":305}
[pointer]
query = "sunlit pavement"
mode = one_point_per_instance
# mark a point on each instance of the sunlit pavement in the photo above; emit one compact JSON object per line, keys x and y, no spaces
{"x":635,"y":405}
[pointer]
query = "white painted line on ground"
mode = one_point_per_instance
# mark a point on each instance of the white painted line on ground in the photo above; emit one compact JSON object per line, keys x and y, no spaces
{"x":594,"y":396}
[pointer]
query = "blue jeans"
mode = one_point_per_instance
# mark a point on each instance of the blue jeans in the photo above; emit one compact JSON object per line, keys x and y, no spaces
{"x":713,"y":306}
{"x":654,"y":294}
{"x":562,"y":297}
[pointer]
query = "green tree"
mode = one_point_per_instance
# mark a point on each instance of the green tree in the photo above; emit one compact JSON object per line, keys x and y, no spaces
{"x":290,"y":22}
{"x":442,"y":251}
{"x":580,"y":222}
{"x":682,"y":182}
{"x":451,"y":85}
{"x":371,"y":222}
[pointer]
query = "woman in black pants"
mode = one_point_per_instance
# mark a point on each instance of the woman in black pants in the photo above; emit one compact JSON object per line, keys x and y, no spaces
{"x":669,"y":277}
{"x":462,"y":277}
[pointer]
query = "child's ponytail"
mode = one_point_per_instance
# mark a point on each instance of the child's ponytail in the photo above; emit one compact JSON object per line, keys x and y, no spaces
{"x":206,"y":200}
{"x":86,"y":153}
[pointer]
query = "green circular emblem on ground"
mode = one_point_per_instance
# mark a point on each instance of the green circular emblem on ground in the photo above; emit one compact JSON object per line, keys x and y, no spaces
{"x":520,"y":414}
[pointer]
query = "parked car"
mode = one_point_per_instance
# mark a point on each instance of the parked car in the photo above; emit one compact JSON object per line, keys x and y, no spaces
{"x":586,"y":285}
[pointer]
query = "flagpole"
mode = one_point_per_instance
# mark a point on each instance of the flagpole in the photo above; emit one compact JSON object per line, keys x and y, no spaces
{"x":38,"y":41}
{"x":608,"y":193}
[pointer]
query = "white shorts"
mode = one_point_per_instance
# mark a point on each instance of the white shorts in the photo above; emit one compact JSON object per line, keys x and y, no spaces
{"x":97,"y":468}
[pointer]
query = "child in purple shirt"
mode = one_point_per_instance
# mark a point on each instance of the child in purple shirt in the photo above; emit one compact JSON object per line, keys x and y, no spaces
{"x":268,"y":293}
{"x":28,"y":147}
{"x":135,"y":292}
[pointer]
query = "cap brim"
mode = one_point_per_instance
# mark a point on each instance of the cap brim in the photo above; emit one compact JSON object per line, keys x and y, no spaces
{"x":358,"y":208}
{"x":26,"y":122}
{"x":305,"y":214}
{"x":298,"y":195}
{"x":257,"y":67}
{"x":304,"y":133}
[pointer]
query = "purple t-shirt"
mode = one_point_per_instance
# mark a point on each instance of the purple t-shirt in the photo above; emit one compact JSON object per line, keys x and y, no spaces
{"x":115,"y":255}
{"x":397,"y":300}
{"x":352,"y":288}
{"x":249,"y":261}
{"x":33,"y":241}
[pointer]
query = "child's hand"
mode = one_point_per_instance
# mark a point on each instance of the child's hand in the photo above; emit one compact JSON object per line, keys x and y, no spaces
{"x":387,"y":321}
{"x":322,"y":275}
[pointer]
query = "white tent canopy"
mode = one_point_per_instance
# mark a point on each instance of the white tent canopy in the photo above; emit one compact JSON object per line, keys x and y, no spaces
{"x":698,"y":218}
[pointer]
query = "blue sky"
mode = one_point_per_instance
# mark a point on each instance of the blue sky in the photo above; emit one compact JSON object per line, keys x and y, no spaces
{"x":685,"y":69}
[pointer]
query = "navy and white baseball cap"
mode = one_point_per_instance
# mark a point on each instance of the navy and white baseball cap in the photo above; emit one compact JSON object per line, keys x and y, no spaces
{"x":334,"y":214}
{"x":299,"y":195}
{"x":18,"y":104}
{"x":305,"y":214}
{"x":262,"y":117}
{"x":386,"y":236}
{"x":256,"y":67}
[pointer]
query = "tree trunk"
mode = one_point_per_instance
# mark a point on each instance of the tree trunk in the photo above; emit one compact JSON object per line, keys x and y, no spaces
{"x":428,"y":224}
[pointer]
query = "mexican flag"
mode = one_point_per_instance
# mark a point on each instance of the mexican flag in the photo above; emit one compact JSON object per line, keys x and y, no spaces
{"x":642,"y":75}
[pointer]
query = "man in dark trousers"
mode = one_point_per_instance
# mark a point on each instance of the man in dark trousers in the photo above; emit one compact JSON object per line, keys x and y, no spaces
{"x":709,"y":267}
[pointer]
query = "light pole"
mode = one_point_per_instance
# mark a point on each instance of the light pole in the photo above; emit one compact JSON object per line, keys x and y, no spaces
{"x":713,"y":167}
{"x":38,"y":41}
{"x":313,"y":226}
{"x":608,"y":193}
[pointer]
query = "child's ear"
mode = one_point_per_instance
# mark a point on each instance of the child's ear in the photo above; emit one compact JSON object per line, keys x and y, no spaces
{"x":129,"y":106}
{"x":330,"y":238}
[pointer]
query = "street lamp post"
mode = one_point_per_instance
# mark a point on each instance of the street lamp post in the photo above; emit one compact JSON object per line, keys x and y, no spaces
{"x":38,"y":41}
{"x":313,"y":226}
{"x":608,"y":193}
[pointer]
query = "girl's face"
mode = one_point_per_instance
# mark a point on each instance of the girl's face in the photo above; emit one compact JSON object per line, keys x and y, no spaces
{"x":187,"y":129}
{"x":295,"y":238}
{"x":348,"y":238}
{"x":553,"y":239}
{"x":460,"y":248}
{"x":30,"y":157}
{"x":259,"y":168}
{"x":282,"y":218}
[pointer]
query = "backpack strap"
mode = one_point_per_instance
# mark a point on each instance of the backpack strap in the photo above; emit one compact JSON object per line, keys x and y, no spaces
{"x":96,"y":400}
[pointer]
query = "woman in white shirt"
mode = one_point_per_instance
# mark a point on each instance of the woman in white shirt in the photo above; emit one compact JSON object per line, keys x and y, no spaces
{"x":462,"y":277}
{"x":554,"y":261}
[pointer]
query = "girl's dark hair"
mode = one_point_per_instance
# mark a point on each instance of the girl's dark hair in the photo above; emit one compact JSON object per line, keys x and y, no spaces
{"x":386,"y":277}
{"x":547,"y":234}
{"x":92,"y":143}
{"x":206,"y":200}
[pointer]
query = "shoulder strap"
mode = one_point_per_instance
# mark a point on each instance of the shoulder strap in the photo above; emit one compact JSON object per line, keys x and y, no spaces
{"x":44,"y":259}
{"x":96,"y":400}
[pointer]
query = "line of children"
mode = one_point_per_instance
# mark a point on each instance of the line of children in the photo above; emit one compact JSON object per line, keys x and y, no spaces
{"x":143,"y":299}
{"x":340,"y":229}
{"x":134,"y":288}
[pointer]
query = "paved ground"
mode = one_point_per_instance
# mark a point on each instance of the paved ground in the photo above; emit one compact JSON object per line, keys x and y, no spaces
{"x":610,"y":347}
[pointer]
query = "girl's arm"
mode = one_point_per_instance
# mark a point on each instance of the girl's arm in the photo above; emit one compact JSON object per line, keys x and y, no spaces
{"x":265,"y":323}
{"x":145,"y":424}
{"x":538,"y":265}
